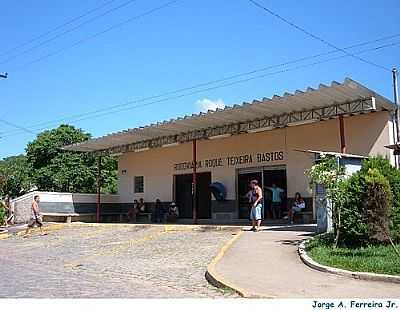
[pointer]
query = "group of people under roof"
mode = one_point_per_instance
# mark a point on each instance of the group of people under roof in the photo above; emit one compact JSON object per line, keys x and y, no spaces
{"x":161,"y":213}
{"x":256,"y":202}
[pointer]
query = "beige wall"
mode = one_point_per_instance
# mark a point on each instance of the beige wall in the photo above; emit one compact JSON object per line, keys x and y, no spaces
{"x":365,"y":134}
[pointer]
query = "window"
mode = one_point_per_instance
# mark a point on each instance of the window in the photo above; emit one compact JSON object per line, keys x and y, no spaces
{"x":139,"y":184}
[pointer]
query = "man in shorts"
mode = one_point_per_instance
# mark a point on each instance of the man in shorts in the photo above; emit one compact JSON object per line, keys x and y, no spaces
{"x":36,"y":218}
{"x":255,"y":199}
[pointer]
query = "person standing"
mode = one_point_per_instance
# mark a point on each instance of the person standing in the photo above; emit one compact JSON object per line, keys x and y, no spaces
{"x":276,"y":201}
{"x":10,"y":208}
{"x":36,"y":218}
{"x":255,"y":199}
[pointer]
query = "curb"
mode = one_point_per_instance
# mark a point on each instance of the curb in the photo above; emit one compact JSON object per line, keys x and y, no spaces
{"x":4,"y":234}
{"x":307,"y":260}
{"x":168,"y":227}
{"x":215,"y":279}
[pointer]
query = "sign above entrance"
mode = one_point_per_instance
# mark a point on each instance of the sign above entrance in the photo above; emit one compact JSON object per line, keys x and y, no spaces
{"x":232,"y":161}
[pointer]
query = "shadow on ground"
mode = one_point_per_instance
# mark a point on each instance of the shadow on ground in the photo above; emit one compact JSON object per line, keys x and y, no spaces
{"x":300,"y":228}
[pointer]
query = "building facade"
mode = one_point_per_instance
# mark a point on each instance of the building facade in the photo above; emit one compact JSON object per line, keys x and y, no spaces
{"x":234,"y":146}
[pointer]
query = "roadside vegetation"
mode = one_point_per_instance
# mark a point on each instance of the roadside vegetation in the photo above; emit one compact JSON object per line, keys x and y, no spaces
{"x":46,"y":167}
{"x":366,"y":216}
{"x":372,"y":258}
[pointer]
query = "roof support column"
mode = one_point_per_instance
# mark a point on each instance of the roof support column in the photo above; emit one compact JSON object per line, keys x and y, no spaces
{"x":342,"y":135}
{"x":194,"y":182}
{"x":98,"y":185}
{"x":396,"y":123}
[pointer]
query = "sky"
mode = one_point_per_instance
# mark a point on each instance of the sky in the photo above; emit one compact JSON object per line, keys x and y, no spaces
{"x":67,"y":59}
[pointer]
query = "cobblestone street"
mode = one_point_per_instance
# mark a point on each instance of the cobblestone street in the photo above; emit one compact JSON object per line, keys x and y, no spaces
{"x":111,"y":261}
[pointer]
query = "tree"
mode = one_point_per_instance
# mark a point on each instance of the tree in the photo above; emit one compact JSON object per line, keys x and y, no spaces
{"x":328,"y":173}
{"x":378,"y":201}
{"x":355,"y":215}
{"x":14,"y":176}
{"x":54,"y":169}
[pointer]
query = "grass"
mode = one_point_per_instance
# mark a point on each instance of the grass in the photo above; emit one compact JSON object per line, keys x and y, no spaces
{"x":374,"y":258}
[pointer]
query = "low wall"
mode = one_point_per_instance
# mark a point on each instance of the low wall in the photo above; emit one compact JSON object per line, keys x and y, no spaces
{"x":55,"y":202}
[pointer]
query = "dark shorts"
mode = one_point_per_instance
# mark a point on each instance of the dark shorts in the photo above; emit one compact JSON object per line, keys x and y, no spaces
{"x":32,"y":222}
{"x":276,"y":205}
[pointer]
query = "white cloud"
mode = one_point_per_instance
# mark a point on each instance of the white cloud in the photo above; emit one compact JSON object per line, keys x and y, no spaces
{"x":208,"y":104}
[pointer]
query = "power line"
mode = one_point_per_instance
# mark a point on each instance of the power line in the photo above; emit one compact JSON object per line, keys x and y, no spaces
{"x":68,"y":31}
{"x":224,"y":85}
{"x":149,"y":12}
{"x":257,"y":4}
{"x":17,"y":126}
{"x":223,"y":79}
{"x":56,"y":28}
{"x":233,"y":83}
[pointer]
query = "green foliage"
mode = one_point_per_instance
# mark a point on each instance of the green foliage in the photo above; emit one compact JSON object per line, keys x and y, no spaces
{"x":378,"y":201}
{"x":325,"y":172}
{"x":372,"y":258}
{"x":3,"y":214}
{"x":365,"y":205}
{"x":355,"y":218}
{"x":328,"y":173}
{"x":47,"y":145}
{"x":393,"y":176}
{"x":53,"y":169}
{"x":354,"y":227}
{"x":109,"y":175}
{"x":14,"y":176}
{"x":331,"y":175}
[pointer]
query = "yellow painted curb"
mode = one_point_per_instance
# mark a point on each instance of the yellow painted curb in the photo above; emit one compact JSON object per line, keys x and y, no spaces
{"x":4,"y":236}
{"x":217,"y":280}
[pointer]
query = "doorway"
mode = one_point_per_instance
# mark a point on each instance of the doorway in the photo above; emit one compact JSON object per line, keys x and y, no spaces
{"x":271,"y":177}
{"x":184,"y":197}
{"x":244,"y":179}
{"x":266,"y":177}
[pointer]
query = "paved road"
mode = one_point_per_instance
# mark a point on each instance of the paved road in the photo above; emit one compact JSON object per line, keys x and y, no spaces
{"x":267,"y":264}
{"x":110,"y":261}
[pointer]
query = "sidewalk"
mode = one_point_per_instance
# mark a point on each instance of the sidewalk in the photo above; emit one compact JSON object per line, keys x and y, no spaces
{"x":267,"y":264}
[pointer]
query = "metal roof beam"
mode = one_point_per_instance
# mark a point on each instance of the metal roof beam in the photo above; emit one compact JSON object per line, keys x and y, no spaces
{"x":278,"y":121}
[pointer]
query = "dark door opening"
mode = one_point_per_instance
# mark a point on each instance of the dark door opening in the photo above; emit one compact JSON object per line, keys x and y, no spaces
{"x":266,"y":178}
{"x":243,"y":188}
{"x":277,"y":177}
{"x":184,"y":198}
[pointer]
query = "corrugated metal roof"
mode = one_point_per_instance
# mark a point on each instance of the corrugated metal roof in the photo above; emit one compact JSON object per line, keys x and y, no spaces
{"x":324,"y":96}
{"x":336,"y":154}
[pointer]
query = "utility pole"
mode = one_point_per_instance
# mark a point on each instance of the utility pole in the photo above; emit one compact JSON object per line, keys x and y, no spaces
{"x":397,"y":117}
{"x":4,"y":76}
{"x":194,"y":181}
{"x":98,"y":185}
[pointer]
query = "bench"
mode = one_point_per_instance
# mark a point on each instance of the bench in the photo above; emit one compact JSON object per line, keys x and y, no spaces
{"x":121,"y":216}
{"x":305,"y":216}
{"x":67,"y":216}
{"x":145,"y":215}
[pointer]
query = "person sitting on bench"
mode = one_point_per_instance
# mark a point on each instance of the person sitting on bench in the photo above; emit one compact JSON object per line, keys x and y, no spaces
{"x":132,"y":211}
{"x":173,"y":213}
{"x":298,"y":205}
{"x":141,"y":206}
{"x":159,"y":212}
